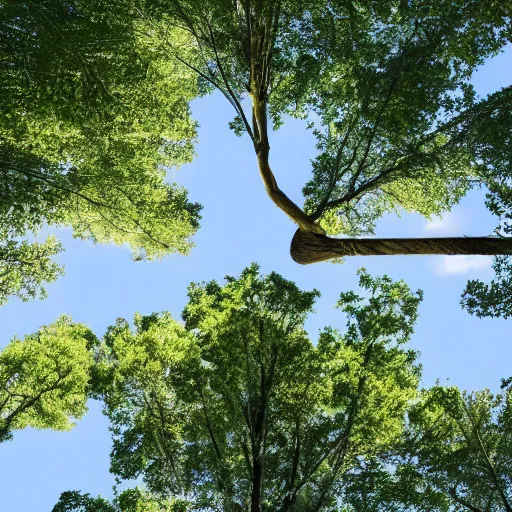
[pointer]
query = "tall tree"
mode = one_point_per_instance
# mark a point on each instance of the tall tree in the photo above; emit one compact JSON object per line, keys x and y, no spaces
{"x":238,"y":410}
{"x":92,"y":111}
{"x":385,"y":88}
{"x":44,"y":378}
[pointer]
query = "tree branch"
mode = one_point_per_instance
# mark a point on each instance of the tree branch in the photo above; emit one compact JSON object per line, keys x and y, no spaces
{"x":461,"y":501}
{"x":8,"y":166}
{"x":309,"y":248}
{"x":239,"y":108}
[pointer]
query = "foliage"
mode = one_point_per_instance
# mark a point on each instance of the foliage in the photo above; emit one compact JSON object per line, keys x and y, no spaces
{"x":456,"y":456}
{"x":463,"y":443}
{"x":384,"y":87}
{"x":44,"y":378}
{"x":130,"y":500}
{"x":74,"y":501}
{"x":92,"y":114}
{"x":25,"y":266}
{"x":493,"y":300}
{"x":494,"y":148}
{"x":96,"y":96}
{"x":238,"y":408}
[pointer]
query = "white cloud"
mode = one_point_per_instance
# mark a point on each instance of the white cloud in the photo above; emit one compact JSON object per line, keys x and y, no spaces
{"x":461,"y":264}
{"x":448,"y":224}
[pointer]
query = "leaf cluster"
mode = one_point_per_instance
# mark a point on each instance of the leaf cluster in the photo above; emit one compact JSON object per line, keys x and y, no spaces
{"x":93,"y":114}
{"x":44,"y":378}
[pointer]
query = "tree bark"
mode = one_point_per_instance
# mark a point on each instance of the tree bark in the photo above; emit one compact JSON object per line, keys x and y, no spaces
{"x":257,"y":481}
{"x":280,"y":199}
{"x":308,"y":247}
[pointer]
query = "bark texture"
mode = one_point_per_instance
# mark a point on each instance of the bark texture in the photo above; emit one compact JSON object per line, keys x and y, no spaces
{"x":307,"y":247}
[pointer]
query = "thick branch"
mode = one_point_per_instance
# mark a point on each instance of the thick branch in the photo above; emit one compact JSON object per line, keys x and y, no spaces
{"x":312,"y":248}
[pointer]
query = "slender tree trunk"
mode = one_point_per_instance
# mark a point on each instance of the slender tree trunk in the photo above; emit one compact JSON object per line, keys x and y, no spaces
{"x":280,"y":199}
{"x":307,"y":247}
{"x":257,"y":481}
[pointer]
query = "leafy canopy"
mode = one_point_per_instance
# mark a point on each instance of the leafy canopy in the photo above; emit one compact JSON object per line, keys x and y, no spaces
{"x":96,"y":96}
{"x":130,"y":500}
{"x":92,"y":114}
{"x":464,"y":444}
{"x":455,"y":455}
{"x":494,"y":299}
{"x":237,"y":408}
{"x":383,"y":85}
{"x":44,"y":378}
{"x":25,"y":265}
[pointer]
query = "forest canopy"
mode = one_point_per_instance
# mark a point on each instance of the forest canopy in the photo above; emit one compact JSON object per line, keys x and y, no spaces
{"x":44,"y":378}
{"x":237,"y":408}
{"x":91,"y":118}
{"x":96,"y":102}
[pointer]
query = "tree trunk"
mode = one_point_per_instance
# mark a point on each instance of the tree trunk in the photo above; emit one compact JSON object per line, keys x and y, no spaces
{"x":307,"y":247}
{"x":257,"y":480}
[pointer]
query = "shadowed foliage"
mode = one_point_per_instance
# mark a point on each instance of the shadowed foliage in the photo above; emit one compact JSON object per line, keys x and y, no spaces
{"x":455,"y":456}
{"x":91,"y":114}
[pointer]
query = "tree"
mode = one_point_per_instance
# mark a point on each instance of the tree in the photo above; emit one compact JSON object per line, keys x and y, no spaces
{"x":494,"y":300}
{"x":465,"y":448}
{"x":456,"y":456}
{"x":25,"y":266}
{"x":385,"y":89}
{"x":91,"y":114}
{"x":238,"y":410}
{"x":44,"y":378}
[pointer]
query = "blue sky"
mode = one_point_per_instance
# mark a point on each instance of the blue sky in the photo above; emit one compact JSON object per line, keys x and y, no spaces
{"x":102,"y":284}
